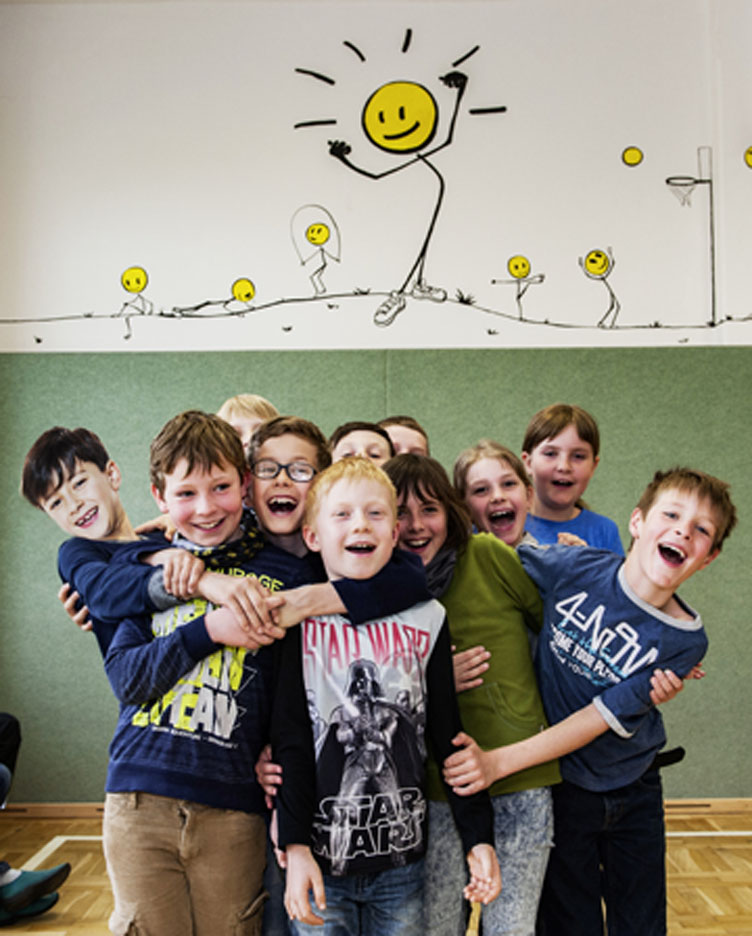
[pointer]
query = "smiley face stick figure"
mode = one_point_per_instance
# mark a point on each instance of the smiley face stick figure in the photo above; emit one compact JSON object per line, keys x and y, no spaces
{"x":598,"y":265}
{"x":316,"y":236}
{"x":519,"y":269}
{"x":243,"y":292}
{"x":401,"y":118}
{"x":134,"y":280}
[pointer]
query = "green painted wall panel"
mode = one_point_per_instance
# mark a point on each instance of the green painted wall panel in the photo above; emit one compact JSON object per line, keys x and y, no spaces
{"x":655,"y":407}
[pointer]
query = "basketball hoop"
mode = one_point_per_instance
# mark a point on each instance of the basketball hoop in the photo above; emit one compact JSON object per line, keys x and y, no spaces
{"x":682,"y":187}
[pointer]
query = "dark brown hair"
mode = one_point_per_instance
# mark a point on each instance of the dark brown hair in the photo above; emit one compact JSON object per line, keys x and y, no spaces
{"x":424,"y":477}
{"x":292,"y":425}
{"x":53,"y":457}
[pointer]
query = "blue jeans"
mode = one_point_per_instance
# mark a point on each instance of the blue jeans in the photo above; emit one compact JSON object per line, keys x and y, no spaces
{"x":523,"y":825}
{"x":388,"y":903}
{"x":608,"y":845}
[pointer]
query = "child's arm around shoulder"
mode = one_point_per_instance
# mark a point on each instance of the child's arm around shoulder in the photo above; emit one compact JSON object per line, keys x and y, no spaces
{"x":141,"y":667}
{"x":471,"y":769}
{"x":109,"y":579}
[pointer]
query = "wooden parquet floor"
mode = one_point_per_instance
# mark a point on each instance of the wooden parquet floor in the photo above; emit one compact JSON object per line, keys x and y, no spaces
{"x":709,"y":858}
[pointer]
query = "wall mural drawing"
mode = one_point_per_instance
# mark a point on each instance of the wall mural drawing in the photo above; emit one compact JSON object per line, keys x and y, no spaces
{"x":390,"y":134}
{"x":598,"y":265}
{"x":519,"y":269}
{"x":683,"y":187}
{"x":316,"y":237}
{"x":401,"y":118}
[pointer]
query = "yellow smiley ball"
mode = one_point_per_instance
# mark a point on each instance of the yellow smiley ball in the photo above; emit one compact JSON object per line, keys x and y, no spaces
{"x":597,"y":263}
{"x":632,"y":156}
{"x":400,"y":117}
{"x":243,"y":290}
{"x":317,"y":234}
{"x":748,"y":156}
{"x":518,"y":266}
{"x":134,"y":279}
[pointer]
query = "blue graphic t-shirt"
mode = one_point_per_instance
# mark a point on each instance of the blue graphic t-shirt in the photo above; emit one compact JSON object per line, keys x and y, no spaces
{"x":600,"y":643}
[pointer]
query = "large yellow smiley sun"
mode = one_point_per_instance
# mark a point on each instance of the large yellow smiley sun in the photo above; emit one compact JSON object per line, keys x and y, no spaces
{"x":400,"y":117}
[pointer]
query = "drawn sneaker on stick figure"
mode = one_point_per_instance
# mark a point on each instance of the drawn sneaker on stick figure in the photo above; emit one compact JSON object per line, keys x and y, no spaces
{"x":316,"y":236}
{"x":519,"y":269}
{"x":401,"y":118}
{"x":597,"y":265}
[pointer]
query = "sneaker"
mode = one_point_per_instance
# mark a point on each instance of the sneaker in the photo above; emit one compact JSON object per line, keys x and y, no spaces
{"x":37,"y":908}
{"x":29,"y":886}
{"x":389,"y":309}
{"x":421,"y":290}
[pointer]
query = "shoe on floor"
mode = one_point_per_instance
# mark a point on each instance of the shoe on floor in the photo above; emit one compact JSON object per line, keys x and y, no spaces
{"x":36,"y":908}
{"x":29,"y":886}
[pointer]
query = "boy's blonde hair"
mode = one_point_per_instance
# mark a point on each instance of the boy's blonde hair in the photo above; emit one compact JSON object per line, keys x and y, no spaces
{"x":704,"y":486}
{"x":292,"y":425}
{"x":202,"y":439}
{"x":553,"y":419}
{"x":248,"y":405}
{"x":486,"y":448}
{"x":346,"y":469}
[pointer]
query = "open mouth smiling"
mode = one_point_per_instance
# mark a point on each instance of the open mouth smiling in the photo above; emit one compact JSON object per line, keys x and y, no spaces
{"x":88,"y":517}
{"x":671,"y":554}
{"x":502,"y":517}
{"x":210,"y":525}
{"x":361,"y":548}
{"x":282,"y":505}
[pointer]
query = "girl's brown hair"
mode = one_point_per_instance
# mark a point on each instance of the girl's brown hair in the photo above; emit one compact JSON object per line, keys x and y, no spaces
{"x":553,"y":419}
{"x":424,"y":477}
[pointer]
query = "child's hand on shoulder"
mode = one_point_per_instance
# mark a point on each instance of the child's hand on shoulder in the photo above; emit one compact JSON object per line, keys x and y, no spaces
{"x":570,"y":539}
{"x":485,"y":875}
{"x":162,"y":524}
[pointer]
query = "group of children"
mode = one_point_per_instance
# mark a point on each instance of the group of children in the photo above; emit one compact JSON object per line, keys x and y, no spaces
{"x":287,"y":609}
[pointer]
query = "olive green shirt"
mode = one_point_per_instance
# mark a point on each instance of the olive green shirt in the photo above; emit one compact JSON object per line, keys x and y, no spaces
{"x":491,"y":601}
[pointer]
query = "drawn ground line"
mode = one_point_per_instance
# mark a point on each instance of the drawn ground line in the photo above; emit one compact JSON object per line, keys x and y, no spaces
{"x":185,"y":313}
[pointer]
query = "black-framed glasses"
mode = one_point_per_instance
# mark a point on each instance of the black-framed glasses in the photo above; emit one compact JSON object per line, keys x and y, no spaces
{"x":266,"y":469}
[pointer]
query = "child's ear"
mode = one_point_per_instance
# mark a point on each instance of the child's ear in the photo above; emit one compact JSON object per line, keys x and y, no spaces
{"x":635,"y":523}
{"x":395,"y":534}
{"x":530,"y":490}
{"x":161,"y":502}
{"x":113,"y":475}
{"x":710,"y":558}
{"x":525,"y":456}
{"x":245,"y":485}
{"x":310,"y":538}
